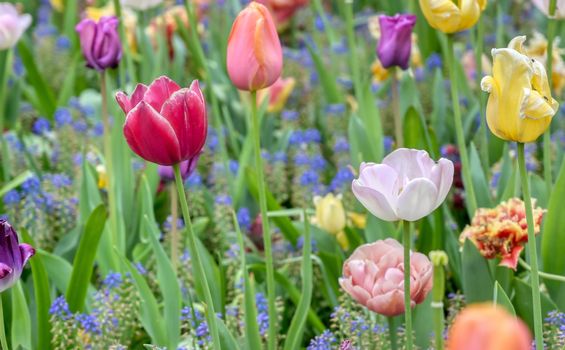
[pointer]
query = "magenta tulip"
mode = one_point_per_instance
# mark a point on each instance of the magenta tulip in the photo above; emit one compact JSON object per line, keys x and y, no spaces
{"x":395,"y":44}
{"x":100,"y":42}
{"x":254,"y":57}
{"x":13,"y":256}
{"x":374,"y":276}
{"x":164,"y":123}
{"x":408,"y":185}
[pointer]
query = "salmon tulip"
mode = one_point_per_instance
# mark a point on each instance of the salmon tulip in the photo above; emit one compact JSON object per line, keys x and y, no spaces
{"x":254,"y":56}
{"x":452,"y":16}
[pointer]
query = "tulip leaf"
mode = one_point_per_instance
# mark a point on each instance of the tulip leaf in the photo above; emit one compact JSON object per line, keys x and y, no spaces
{"x":501,"y":298}
{"x":480,"y":183}
{"x":21,"y":322}
{"x":553,"y":240}
{"x":414,"y":130}
{"x":522,"y":302}
{"x":169,"y":285}
{"x":477,"y":281}
{"x":41,"y":291}
{"x":15,"y":182}
{"x":327,"y":79}
{"x":423,"y":313}
{"x":362,"y":147}
{"x":83,"y":264}
{"x":212,"y":275}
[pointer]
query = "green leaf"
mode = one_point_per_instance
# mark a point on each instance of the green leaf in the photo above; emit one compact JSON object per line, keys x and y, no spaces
{"x":414,"y":130}
{"x":477,"y":280}
{"x":169,"y":285}
{"x":362,"y":147}
{"x":212,"y":275}
{"x":69,"y":83}
{"x":84,"y":259}
{"x":553,"y":240}
{"x":327,"y":80}
{"x":58,"y":269}
{"x":480,"y":182}
{"x":227,"y":340}
{"x":42,"y":297}
{"x":523,"y":302}
{"x":502,"y":299}
{"x":21,"y":322}
{"x":296,"y":329}
{"x":423,"y":313}
{"x":15,"y":182}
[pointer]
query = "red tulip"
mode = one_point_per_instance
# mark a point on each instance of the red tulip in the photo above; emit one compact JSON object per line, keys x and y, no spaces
{"x":164,"y":123}
{"x":254,"y":56}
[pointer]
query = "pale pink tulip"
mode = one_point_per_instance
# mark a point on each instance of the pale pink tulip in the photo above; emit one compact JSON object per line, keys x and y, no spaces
{"x":12,"y":25}
{"x":407,"y":185}
{"x":374,"y":276}
{"x":254,"y":57}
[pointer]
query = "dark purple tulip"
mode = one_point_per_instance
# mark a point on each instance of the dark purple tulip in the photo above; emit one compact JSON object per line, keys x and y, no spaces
{"x":13,"y":256}
{"x":187,"y":167}
{"x":395,"y":43}
{"x":100,"y":42}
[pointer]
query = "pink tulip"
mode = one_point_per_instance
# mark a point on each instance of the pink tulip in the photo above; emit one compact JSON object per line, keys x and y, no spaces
{"x":165,"y":124}
{"x":407,"y":185}
{"x":283,"y":10}
{"x":374,"y":276}
{"x":12,"y":25}
{"x":254,"y":57}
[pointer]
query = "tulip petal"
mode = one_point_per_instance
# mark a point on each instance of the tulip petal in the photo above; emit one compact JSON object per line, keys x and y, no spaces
{"x":388,"y":304}
{"x":374,"y":201}
{"x":27,"y":252}
{"x":383,"y":179}
{"x":442,"y":177}
{"x":127,"y":103}
{"x":5,"y":270}
{"x":418,"y":199}
{"x":159,"y":92}
{"x":442,"y":14}
{"x":88,"y":33}
{"x":151,"y":136}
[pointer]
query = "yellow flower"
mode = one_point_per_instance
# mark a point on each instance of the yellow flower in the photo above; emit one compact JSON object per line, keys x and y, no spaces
{"x":102,"y":177}
{"x":520,"y":106}
{"x":57,"y":5}
{"x":452,"y":17}
{"x":330,"y":214}
{"x":358,"y":220}
{"x":342,"y":240}
{"x":380,"y":73}
{"x":537,"y":49}
{"x":277,"y":94}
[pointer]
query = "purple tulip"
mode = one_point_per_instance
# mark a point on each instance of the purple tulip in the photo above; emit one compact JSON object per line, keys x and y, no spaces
{"x":187,"y":167}
{"x":395,"y":43}
{"x":100,"y":42}
{"x":13,"y":256}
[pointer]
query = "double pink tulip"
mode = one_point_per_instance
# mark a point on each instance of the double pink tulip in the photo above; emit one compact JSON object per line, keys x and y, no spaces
{"x":374,"y":276}
{"x":164,"y":123}
{"x":254,"y":57}
{"x":407,"y":185}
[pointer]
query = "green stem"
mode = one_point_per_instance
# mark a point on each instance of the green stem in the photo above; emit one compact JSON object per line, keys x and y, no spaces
{"x":398,"y":130}
{"x":551,"y":28}
{"x":3,"y":340}
{"x":483,"y":130}
{"x":353,"y":61}
{"x":392,"y":333}
{"x":407,"y":301}
{"x":272,"y":335}
{"x":536,"y":299}
{"x":125,"y":45}
{"x":174,"y":228}
{"x":465,"y":165}
{"x":4,"y":88}
{"x":437,"y":302}
{"x":544,"y":275}
{"x":112,"y":203}
{"x":196,"y":261}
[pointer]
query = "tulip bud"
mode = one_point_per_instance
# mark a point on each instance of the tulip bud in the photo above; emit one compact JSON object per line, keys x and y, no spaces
{"x":520,"y":106}
{"x":100,"y":42}
{"x":254,"y":57}
{"x":164,"y":123}
{"x":330,"y":214}
{"x":452,"y":16}
{"x":395,"y":43}
{"x":12,"y":25}
{"x":13,"y":256}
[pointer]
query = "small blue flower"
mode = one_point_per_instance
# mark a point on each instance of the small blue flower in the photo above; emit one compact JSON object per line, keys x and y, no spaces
{"x":60,"y":308}
{"x":309,"y":178}
{"x":113,"y":280}
{"x":11,"y":198}
{"x":289,"y":115}
{"x":63,"y":117}
{"x":244,"y":218}
{"x":63,"y":43}
{"x":296,"y":138}
{"x":89,"y":323}
{"x":312,"y":136}
{"x":41,"y":126}
{"x":434,"y":61}
{"x":336,"y":108}
{"x":341,"y":145}
{"x":223,"y":199}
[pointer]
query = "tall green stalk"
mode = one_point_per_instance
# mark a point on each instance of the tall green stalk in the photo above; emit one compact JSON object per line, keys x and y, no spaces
{"x":551,"y":28}
{"x":125,"y":44}
{"x":198,"y":268}
{"x":407,"y":301}
{"x":3,"y":340}
{"x":483,"y":130}
{"x":470,"y":199}
{"x":398,"y":129}
{"x":439,"y":260}
{"x":4,"y":87}
{"x":536,"y":299}
{"x":272,"y":335}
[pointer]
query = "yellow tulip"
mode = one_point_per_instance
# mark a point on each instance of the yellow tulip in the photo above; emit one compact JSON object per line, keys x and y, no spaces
{"x":520,"y":106}
{"x":452,"y":17}
{"x":57,"y":5}
{"x":342,"y":240}
{"x":102,"y":176}
{"x":330,"y":214}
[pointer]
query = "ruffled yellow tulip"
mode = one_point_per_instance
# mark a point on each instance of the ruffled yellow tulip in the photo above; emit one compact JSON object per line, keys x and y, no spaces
{"x":452,"y":17}
{"x":520,"y":106}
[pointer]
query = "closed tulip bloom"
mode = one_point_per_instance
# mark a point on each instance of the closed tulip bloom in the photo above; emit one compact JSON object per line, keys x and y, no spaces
{"x":543,"y":6}
{"x":254,"y":57}
{"x":283,"y":10}
{"x":187,"y":167}
{"x":395,"y":43}
{"x":13,"y":256}
{"x":407,"y":185}
{"x":330,"y":214}
{"x":277,"y":93}
{"x":100,"y":42}
{"x":374,"y":276}
{"x":451,"y":17}
{"x":164,"y":123}
{"x":12,"y":25}
{"x":487,"y":327}
{"x":520,"y":106}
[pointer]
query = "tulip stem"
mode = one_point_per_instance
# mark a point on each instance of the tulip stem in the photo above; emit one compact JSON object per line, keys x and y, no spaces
{"x":483,"y":130}
{"x":437,"y":304}
{"x":465,"y":165}
{"x":197,"y":266}
{"x":536,"y":299}
{"x":392,"y":334}
{"x":544,"y":275}
{"x":174,"y":228}
{"x":398,"y":130}
{"x":551,"y":28}
{"x":4,"y":88}
{"x":3,"y":340}
{"x":272,"y":335}
{"x":108,"y":163}
{"x":407,"y":301}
